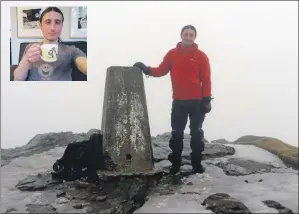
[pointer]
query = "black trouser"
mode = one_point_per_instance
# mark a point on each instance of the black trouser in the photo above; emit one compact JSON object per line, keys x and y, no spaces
{"x":181,"y":109}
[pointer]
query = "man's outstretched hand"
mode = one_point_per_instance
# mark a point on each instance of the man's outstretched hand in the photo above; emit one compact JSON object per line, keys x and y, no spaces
{"x":145,"y":69}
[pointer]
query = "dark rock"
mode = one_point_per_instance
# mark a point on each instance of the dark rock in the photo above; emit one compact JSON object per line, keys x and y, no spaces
{"x":217,"y":151}
{"x":189,"y":184}
{"x":273,"y":204}
{"x":11,"y":210}
{"x":286,"y":211}
{"x":101,"y":198}
{"x":135,"y":189}
{"x":126,"y":207}
{"x":40,"y":208}
{"x":81,"y":185}
{"x":261,"y":180}
{"x":223,"y":203}
{"x":61,"y":193}
{"x":81,"y":159}
{"x":239,"y":167}
{"x":78,"y":206}
{"x":278,"y":206}
{"x":93,"y":198}
{"x":246,"y":181}
{"x":37,"y":183}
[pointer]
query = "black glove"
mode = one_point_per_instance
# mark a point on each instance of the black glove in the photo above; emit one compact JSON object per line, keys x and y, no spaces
{"x":206,"y":104}
{"x":145,"y":69}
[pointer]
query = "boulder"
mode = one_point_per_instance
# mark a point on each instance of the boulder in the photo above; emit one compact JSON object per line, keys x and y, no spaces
{"x":37,"y":182}
{"x":240,"y":167}
{"x":281,"y":209}
{"x":222,"y":203}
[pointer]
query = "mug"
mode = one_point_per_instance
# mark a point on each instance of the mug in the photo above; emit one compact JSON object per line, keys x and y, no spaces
{"x":49,"y":52}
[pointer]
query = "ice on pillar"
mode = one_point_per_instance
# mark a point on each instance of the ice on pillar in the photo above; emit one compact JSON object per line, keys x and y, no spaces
{"x":125,"y":124}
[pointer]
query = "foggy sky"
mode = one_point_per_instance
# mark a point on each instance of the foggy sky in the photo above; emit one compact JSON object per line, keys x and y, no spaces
{"x":253,"y":52}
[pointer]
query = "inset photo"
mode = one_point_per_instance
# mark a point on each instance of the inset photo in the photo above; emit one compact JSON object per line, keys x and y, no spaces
{"x":48,"y":43}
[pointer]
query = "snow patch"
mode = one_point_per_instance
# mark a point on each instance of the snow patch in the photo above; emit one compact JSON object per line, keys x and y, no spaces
{"x":251,"y":152}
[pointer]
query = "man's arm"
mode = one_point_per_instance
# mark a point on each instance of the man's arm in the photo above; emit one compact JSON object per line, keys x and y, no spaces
{"x":81,"y":63}
{"x":206,"y":76}
{"x":21,"y":72}
{"x":80,"y":59}
{"x":163,"y":68}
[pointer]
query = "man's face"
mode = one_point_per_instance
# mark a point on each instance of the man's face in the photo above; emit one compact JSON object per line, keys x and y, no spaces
{"x":51,"y":25}
{"x":188,"y":36}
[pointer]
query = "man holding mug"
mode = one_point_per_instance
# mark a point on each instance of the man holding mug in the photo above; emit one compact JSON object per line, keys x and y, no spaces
{"x":191,"y":82}
{"x":50,"y":60}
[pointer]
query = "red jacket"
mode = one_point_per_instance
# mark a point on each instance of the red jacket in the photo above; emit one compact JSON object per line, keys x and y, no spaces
{"x":189,"y":70}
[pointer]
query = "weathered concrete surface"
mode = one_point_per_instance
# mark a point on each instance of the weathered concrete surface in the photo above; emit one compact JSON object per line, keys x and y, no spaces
{"x":125,"y":124}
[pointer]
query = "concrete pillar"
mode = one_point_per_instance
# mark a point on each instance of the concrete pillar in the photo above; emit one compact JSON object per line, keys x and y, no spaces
{"x":125,"y":124}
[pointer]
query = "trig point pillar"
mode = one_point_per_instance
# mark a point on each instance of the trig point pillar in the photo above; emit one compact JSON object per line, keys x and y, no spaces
{"x":125,"y":124}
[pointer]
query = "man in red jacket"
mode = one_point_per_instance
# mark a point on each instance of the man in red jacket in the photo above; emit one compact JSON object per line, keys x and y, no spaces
{"x":191,"y":83}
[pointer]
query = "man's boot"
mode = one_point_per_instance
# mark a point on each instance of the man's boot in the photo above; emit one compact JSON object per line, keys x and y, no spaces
{"x":196,"y":163}
{"x":176,"y":164}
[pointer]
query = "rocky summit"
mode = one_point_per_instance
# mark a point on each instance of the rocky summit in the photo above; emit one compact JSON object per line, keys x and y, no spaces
{"x":239,"y":178}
